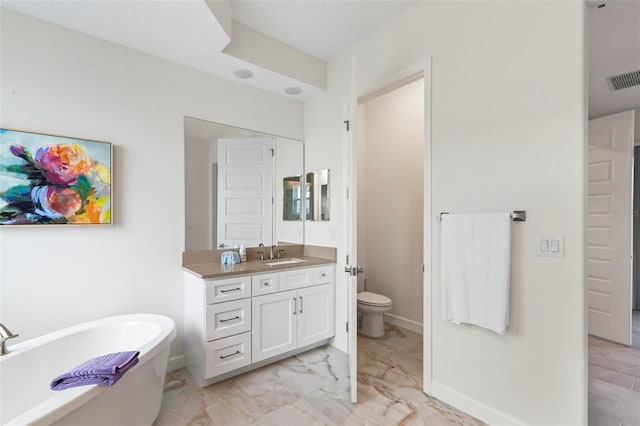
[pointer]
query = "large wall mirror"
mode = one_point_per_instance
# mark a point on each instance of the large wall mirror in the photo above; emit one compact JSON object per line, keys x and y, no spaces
{"x":239,"y":187}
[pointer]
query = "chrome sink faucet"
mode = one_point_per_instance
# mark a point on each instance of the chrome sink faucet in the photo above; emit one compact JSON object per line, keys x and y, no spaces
{"x":5,"y":335}
{"x":276,"y":253}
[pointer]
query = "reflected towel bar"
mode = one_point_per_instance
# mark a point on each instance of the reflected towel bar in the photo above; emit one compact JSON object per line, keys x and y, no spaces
{"x":516,"y":215}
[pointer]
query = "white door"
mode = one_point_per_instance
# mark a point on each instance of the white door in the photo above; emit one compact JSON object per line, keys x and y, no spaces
{"x":610,"y":226}
{"x":245,"y":191}
{"x":315,"y":314}
{"x":351,"y":228}
{"x":274,"y":320}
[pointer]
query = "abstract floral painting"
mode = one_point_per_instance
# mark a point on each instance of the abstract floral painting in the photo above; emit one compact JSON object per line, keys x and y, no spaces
{"x":46,"y":179}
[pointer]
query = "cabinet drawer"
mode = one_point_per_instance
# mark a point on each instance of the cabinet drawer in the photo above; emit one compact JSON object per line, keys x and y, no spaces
{"x":227,"y":319}
{"x":264,"y":284}
{"x":323,"y":274}
{"x":224,"y":355}
{"x":295,"y":278}
{"x":228,"y":289}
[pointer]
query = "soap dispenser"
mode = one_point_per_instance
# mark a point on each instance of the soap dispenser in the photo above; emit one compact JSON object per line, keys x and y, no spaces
{"x":243,"y":252}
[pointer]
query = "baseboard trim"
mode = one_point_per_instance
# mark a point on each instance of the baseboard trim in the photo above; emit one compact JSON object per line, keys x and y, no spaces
{"x":340,"y":344}
{"x":176,"y":362}
{"x":404,"y":322}
{"x":471,"y":406}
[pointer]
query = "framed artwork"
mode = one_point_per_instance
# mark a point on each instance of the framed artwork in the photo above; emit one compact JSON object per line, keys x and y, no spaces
{"x":54,"y":180}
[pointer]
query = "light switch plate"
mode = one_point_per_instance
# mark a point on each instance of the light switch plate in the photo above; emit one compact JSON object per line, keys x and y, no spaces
{"x":550,"y":246}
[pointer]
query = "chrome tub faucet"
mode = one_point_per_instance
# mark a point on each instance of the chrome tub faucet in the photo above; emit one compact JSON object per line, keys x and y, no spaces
{"x":5,"y":335}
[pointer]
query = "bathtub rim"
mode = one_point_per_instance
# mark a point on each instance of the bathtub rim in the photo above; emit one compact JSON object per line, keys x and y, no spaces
{"x":64,"y":402}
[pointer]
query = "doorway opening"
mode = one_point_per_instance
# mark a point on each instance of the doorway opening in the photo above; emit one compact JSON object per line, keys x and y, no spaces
{"x":612,"y":270}
{"x":390,"y":226}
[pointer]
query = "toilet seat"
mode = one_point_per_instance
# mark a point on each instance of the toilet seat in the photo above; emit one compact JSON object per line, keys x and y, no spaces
{"x":373,"y":299}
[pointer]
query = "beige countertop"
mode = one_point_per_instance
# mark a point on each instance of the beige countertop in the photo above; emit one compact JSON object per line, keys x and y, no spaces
{"x":218,"y":270}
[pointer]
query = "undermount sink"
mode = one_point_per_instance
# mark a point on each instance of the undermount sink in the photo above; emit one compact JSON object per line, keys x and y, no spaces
{"x":285,"y":261}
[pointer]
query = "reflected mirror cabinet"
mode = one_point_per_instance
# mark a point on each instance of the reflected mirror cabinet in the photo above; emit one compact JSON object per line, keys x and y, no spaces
{"x":246,"y":186}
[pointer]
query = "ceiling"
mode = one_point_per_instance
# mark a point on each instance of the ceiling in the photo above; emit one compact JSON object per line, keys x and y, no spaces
{"x":319,"y":28}
{"x":189,"y":33}
{"x":614,"y":48}
{"x":196,"y":33}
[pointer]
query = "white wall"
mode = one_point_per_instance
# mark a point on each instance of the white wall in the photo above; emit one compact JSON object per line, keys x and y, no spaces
{"x":508,"y":132}
{"x":289,"y":162}
{"x":62,"y":82}
{"x":198,"y":221}
{"x":394,"y":193}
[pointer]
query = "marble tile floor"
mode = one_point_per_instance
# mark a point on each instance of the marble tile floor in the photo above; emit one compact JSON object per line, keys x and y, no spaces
{"x":312,"y":388}
{"x":614,"y":381}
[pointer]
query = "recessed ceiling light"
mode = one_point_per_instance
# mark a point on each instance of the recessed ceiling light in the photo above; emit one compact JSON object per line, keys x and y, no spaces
{"x":293,"y":90}
{"x":243,"y":73}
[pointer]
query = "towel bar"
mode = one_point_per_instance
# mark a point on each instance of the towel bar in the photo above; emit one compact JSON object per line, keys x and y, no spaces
{"x":516,"y":215}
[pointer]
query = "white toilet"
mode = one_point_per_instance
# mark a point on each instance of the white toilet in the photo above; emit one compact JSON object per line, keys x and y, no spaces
{"x":372,"y":306}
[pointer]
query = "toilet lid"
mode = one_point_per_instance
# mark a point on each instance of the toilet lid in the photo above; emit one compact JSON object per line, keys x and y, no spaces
{"x":373,"y":299}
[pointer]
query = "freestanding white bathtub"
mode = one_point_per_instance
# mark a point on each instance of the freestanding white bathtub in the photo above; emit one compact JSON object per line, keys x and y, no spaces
{"x":27,"y":371}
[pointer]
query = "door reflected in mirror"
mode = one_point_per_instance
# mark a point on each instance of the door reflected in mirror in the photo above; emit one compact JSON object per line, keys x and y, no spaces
{"x":317,"y":196}
{"x":234,"y":181}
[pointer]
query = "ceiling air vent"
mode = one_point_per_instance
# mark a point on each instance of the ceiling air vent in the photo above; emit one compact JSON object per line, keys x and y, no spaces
{"x":623,"y":81}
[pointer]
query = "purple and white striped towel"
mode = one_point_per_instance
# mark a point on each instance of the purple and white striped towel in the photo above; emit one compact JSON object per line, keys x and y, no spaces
{"x":104,"y":370}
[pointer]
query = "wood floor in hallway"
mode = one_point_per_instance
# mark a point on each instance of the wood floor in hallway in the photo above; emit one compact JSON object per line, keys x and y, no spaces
{"x":614,"y":381}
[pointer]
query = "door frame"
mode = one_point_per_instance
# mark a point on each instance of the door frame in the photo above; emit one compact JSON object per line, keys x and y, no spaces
{"x":390,"y":82}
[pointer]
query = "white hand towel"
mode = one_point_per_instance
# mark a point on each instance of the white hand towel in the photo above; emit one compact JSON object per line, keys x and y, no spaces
{"x":475,"y":268}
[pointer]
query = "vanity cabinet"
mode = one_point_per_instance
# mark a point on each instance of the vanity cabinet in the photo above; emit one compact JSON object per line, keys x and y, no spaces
{"x":274,"y":324}
{"x":242,"y":322}
{"x":291,"y":319}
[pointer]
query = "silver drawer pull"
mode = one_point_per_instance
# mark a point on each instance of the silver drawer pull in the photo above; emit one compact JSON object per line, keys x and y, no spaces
{"x":230,"y":319}
{"x":265,"y":284}
{"x":229,"y":291}
{"x":323,"y":274}
{"x":227,"y":356}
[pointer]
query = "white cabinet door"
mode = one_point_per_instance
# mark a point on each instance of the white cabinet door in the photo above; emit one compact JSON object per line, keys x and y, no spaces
{"x":227,"y":319}
{"x":274,"y":322}
{"x":227,"y":289}
{"x":296,"y":278}
{"x":315,"y":314}
{"x":264,"y":284}
{"x":228,"y":354}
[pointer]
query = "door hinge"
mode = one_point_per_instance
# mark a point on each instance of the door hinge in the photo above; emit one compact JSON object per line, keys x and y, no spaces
{"x":273,"y":152}
{"x":347,"y":193}
{"x":347,"y":262}
{"x":346,"y":122}
{"x":347,"y":327}
{"x":422,"y":268}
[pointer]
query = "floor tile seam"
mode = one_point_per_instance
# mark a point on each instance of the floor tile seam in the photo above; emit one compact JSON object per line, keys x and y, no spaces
{"x":609,"y":383}
{"x":618,"y":371}
{"x":615,"y":371}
